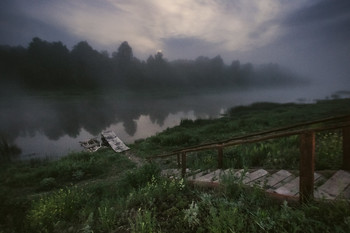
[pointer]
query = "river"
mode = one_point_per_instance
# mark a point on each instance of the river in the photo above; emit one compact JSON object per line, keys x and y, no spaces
{"x":51,"y":124}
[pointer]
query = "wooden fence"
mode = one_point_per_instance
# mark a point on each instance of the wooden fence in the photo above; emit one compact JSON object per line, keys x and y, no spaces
{"x":306,"y":132}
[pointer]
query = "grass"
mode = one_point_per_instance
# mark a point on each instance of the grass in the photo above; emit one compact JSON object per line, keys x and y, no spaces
{"x":106,"y":192}
{"x":277,"y":153}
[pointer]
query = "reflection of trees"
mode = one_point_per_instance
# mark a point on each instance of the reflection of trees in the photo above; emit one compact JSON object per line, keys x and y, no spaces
{"x":56,"y":116}
{"x":51,"y":66}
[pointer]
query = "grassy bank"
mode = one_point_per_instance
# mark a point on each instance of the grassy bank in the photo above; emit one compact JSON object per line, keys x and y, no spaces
{"x":106,"y":192}
{"x":277,"y":153}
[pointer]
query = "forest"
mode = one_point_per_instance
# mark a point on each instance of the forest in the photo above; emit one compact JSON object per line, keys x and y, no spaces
{"x":51,"y":65}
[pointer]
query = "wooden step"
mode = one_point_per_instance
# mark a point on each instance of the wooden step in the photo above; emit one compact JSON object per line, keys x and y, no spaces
{"x":292,"y":188}
{"x":282,"y":182}
{"x":277,"y":179}
{"x":337,"y":186}
{"x":250,"y":178}
{"x":210,"y":177}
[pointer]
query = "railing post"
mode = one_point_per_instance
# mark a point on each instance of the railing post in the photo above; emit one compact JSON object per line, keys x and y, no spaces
{"x":183,"y":163}
{"x":307,"y":166}
{"x":220,"y":157}
{"x":178,"y":161}
{"x":346,"y":148}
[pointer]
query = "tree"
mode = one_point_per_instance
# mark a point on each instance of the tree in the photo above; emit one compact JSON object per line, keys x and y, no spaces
{"x":124,"y":56}
{"x":49,"y":63}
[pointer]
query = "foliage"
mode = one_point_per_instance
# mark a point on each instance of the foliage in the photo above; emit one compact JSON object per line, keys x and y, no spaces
{"x":50,"y":65}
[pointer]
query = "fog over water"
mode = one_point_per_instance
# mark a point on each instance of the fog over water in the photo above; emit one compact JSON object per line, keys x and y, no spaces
{"x":256,"y":48}
{"x":52,"y":124}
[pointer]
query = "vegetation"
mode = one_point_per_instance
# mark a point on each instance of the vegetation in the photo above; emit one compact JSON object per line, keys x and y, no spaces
{"x":105,"y":192}
{"x":276,"y":153}
{"x":50,"y":65}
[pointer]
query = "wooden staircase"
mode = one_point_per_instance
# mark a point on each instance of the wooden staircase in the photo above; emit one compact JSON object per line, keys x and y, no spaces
{"x":304,"y":184}
{"x":282,"y":182}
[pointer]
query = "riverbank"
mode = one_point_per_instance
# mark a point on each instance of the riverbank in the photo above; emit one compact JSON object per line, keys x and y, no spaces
{"x":108,"y":192}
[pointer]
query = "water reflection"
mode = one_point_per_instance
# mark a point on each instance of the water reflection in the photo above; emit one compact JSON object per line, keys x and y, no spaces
{"x":52,"y":123}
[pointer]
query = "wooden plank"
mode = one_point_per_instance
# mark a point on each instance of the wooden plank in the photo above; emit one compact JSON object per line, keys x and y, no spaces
{"x":335,"y":186}
{"x":209,"y":177}
{"x":292,"y":188}
{"x":280,"y":184}
{"x":112,"y":139}
{"x":278,"y":178}
{"x":307,"y":166}
{"x":254,"y":176}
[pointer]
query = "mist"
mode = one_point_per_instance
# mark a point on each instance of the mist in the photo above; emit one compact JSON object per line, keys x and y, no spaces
{"x":69,"y":71}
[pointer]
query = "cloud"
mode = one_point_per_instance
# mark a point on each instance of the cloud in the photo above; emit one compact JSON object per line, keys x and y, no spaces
{"x":225,"y":24}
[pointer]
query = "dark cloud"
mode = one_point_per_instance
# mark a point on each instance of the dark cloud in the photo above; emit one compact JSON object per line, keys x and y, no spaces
{"x":316,"y":43}
{"x":324,"y":11}
{"x":17,"y":28}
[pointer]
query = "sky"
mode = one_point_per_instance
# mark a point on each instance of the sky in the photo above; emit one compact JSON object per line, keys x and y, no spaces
{"x":311,"y":37}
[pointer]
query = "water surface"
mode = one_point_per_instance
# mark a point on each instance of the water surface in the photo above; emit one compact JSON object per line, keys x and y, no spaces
{"x":52,"y":123}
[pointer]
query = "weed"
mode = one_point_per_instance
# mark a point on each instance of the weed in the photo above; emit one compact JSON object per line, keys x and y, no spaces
{"x":143,"y":222}
{"x":107,"y":216}
{"x":191,"y":215}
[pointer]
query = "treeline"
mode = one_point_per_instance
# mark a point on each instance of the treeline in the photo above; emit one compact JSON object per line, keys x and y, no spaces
{"x":45,"y":65}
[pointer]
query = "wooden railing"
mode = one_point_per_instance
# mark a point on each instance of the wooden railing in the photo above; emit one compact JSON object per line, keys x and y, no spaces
{"x":305,"y":130}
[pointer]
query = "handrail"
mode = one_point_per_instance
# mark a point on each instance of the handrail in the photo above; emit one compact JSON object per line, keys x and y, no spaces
{"x":235,"y":140}
{"x":307,"y":147}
